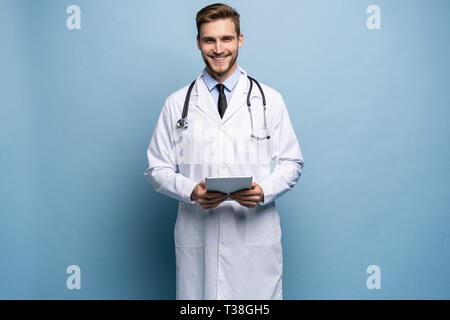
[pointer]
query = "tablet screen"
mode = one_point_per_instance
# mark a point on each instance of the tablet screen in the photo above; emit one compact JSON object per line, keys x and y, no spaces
{"x":228,"y":184}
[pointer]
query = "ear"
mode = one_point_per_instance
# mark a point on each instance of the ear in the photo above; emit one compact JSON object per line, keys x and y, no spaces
{"x":240,"y":40}
{"x":198,"y":42}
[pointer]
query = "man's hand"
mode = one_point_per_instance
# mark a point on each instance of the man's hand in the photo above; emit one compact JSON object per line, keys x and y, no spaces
{"x":207,"y":200}
{"x":249,"y":198}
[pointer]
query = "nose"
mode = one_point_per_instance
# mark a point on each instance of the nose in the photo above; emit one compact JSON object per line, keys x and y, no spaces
{"x":219,"y":47}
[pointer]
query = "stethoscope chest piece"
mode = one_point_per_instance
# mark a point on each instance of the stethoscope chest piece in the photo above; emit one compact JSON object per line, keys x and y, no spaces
{"x":182,"y":124}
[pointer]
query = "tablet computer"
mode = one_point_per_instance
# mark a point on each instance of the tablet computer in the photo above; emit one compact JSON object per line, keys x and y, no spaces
{"x":228,"y":184}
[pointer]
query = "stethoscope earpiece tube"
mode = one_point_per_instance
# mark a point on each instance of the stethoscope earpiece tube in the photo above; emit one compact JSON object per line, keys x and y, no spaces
{"x":260,"y":90}
{"x":249,"y":91}
{"x":182,"y":123}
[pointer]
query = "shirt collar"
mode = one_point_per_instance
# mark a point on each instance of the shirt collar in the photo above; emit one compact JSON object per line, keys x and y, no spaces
{"x":229,"y":82}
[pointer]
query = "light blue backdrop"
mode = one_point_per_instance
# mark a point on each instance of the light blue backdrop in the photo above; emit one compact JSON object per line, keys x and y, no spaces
{"x":370,"y":109}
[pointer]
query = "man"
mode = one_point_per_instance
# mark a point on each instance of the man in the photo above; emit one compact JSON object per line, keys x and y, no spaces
{"x":227,"y":247}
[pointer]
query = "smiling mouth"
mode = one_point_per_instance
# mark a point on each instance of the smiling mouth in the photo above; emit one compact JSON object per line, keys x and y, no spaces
{"x":219,"y":59}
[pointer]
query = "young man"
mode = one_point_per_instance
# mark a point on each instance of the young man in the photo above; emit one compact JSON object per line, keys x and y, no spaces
{"x":225,"y":249}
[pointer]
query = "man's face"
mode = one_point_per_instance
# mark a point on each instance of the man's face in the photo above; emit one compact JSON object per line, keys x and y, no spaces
{"x":219,"y":45}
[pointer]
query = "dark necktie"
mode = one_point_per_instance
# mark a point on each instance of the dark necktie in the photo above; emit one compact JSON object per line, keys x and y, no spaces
{"x":222,"y":99}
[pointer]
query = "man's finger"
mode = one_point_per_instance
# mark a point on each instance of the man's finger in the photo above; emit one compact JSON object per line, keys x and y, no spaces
{"x":244,"y":203}
{"x":212,"y":200}
{"x":211,"y":195}
{"x":247,"y":197}
{"x":213,"y":204}
{"x":246,"y":192}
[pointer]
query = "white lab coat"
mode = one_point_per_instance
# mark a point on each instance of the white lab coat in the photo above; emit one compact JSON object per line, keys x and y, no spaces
{"x":228,"y":252}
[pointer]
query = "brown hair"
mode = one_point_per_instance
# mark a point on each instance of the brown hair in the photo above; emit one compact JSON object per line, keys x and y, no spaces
{"x":217,"y":11}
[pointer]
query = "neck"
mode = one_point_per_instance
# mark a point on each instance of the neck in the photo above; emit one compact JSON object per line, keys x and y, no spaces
{"x":221,"y":77}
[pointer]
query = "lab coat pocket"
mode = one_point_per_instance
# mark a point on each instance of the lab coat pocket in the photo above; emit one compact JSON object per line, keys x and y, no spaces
{"x":262,"y":227}
{"x":189,"y":227}
{"x":259,"y":150}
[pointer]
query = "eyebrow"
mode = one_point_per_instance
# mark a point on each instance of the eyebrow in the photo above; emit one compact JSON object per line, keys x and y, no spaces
{"x":212,"y":38}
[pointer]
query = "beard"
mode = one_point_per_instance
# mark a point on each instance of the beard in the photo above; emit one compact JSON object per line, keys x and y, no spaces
{"x":227,"y":69}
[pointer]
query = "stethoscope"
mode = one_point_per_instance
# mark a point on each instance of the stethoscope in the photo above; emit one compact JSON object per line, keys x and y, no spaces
{"x":183,"y":123}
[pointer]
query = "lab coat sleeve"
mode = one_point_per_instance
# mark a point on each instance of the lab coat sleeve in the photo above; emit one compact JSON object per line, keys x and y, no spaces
{"x":162,"y":169}
{"x":285,"y":153}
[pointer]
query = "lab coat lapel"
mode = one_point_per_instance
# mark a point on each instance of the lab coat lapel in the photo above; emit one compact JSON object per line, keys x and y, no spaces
{"x":205,"y":101}
{"x":239,"y":97}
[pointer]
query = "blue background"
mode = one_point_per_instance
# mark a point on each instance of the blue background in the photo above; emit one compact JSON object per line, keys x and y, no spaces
{"x":369,"y":107}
